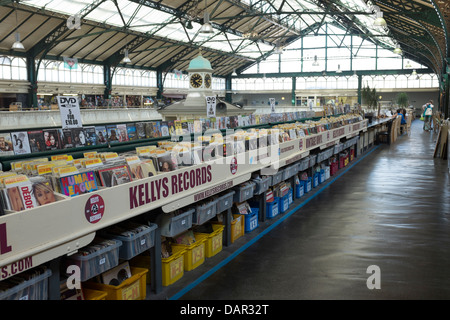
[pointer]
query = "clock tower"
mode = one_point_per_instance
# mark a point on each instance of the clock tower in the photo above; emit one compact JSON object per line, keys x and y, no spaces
{"x":200,"y":81}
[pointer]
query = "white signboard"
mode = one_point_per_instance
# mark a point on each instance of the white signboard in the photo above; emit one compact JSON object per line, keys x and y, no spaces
{"x":211,"y":106}
{"x":272,"y":105}
{"x":70,"y":112}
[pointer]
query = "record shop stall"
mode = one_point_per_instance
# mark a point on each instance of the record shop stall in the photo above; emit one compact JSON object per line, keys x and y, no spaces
{"x":128,"y":214}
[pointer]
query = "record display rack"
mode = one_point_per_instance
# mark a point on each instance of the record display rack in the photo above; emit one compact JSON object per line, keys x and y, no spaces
{"x":45,"y":234}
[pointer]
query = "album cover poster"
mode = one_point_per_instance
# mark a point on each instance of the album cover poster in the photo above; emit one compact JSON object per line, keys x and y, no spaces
{"x":78,"y":137}
{"x":131,"y":131}
{"x":171,"y":125}
{"x":233,"y":121}
{"x":164,"y":129}
{"x":67,"y":140}
{"x":148,"y":130}
{"x":51,"y":139}
{"x":140,"y":130}
{"x":20,"y":142}
{"x":42,"y":190}
{"x":102,"y":134}
{"x":79,"y":183}
{"x":143,"y":169}
{"x":19,"y":192}
{"x":156,"y":127}
{"x":91,"y":136}
{"x":165,"y":162}
{"x":111,"y":130}
{"x":121,"y":132}
{"x":114,"y":176}
{"x":6,"y":145}
{"x":36,"y":138}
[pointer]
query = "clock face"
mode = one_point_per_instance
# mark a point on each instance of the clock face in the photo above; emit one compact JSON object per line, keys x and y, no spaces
{"x":196,"y":80}
{"x":208,"y":81}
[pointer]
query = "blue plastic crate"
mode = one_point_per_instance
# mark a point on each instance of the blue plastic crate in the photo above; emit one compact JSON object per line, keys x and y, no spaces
{"x":251,"y":220}
{"x":272,"y":208}
{"x":322,"y":176}
{"x":315,"y":180}
{"x":284,"y":203}
{"x":290,"y":196}
{"x":300,"y":189}
{"x":307,"y":185}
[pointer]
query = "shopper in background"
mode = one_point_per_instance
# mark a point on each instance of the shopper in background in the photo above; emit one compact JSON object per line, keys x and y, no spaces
{"x":427,"y":113}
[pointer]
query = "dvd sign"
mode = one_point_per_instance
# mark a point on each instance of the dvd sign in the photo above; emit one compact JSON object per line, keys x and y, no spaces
{"x":69,"y":109}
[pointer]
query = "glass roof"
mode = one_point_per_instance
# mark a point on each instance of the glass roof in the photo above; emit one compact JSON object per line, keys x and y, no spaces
{"x":154,"y":22}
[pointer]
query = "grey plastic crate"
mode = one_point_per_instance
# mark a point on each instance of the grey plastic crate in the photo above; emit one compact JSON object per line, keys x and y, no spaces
{"x":225,"y":201}
{"x":243,"y":192}
{"x":277,"y":177}
{"x":338,"y":148}
{"x":204,"y":212}
{"x":33,"y":289}
{"x":325,"y":154}
{"x":172,"y":225}
{"x":136,"y":244}
{"x":303,"y":164}
{"x":97,"y":262}
{"x":288,"y":172}
{"x":312,"y":160}
{"x":261,"y":185}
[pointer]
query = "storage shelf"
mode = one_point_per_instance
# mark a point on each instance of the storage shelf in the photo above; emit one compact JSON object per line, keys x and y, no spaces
{"x":61,"y":227}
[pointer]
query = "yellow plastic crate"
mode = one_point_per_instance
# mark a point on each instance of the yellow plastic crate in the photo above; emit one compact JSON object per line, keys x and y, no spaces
{"x":142,"y":261}
{"x":172,"y":268}
{"x":237,"y":227}
{"x":194,"y":254}
{"x":213,"y":244}
{"x":90,"y":294}
{"x":133,"y":288}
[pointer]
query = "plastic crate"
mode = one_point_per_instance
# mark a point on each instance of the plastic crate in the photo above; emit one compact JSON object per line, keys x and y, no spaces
{"x":194,"y":254}
{"x":237,"y":227}
{"x":225,"y":202}
{"x":171,"y":224}
{"x":334,"y":166}
{"x":214,"y":240}
{"x":327,"y":172}
{"x":290,"y":196}
{"x":261,"y":185}
{"x":352,"y":154}
{"x":251,"y":220}
{"x":277,"y":177}
{"x":272,"y":208}
{"x":312,"y":160}
{"x":172,"y":268}
{"x":307,"y":185}
{"x":133,"y":288}
{"x":136,"y":244}
{"x":90,"y":294}
{"x":321,"y":176}
{"x":283,"y":203}
{"x":243,"y":192}
{"x":300,"y":189}
{"x":303,"y":164}
{"x":97,"y":262}
{"x":204,"y":212}
{"x":338,"y":148}
{"x":315,"y":179}
{"x":33,"y":289}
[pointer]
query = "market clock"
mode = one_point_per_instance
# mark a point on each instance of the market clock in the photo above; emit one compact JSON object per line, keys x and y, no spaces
{"x":208,"y":80}
{"x":196,"y":80}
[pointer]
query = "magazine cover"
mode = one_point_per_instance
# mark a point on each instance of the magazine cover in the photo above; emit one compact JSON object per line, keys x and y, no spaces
{"x":51,"y":139}
{"x":6,"y":145}
{"x":67,"y":141}
{"x":114,"y":176}
{"x":111,"y":130}
{"x":78,"y":183}
{"x":165,"y":129}
{"x":121,"y":132}
{"x":36,"y":138}
{"x":102,"y":134}
{"x":20,"y":142}
{"x":79,"y":137}
{"x":140,"y":130}
{"x":91,"y":136}
{"x":131,"y":131}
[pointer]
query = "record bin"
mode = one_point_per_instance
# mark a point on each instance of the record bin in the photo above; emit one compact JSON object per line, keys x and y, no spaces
{"x":213,"y":243}
{"x":204,"y":212}
{"x":272,"y":208}
{"x":244,"y":191}
{"x":172,"y":224}
{"x":225,"y":201}
{"x":36,"y":288}
{"x":194,"y":254}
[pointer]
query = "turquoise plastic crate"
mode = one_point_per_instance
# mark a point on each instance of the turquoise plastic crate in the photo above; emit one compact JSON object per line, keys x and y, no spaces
{"x":322,"y":176}
{"x":307,"y":185}
{"x":251,"y":220}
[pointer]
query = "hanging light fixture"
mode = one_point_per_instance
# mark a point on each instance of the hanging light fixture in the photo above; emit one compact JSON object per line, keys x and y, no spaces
{"x":408,"y":65}
{"x":188,"y":24}
{"x":379,"y":20}
{"x":278,"y":48}
{"x":414,"y":73}
{"x":234,"y":74}
{"x":339,"y":69}
{"x":398,"y":50}
{"x":315,"y":63}
{"x":206,"y":27}
{"x":17,"y":45}
{"x":126,"y":59}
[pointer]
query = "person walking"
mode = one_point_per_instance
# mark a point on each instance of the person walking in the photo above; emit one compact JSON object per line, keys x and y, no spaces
{"x":427,"y":113}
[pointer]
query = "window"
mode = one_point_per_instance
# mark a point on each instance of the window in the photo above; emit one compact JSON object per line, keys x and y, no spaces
{"x":13,"y":68}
